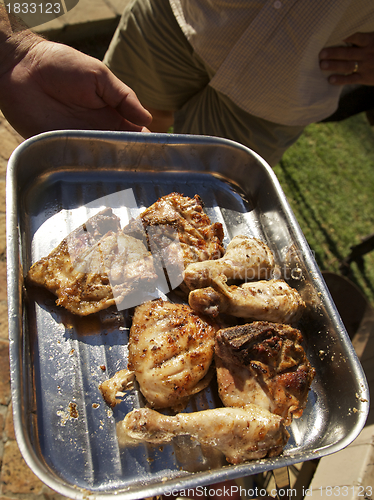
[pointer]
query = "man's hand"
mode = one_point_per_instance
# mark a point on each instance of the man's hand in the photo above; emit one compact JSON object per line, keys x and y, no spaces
{"x":52,"y":86}
{"x":353,"y":64}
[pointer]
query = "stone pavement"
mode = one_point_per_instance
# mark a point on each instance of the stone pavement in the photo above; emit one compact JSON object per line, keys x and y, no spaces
{"x":89,"y":18}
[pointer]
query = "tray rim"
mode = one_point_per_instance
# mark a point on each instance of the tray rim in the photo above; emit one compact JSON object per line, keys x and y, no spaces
{"x":15,"y":316}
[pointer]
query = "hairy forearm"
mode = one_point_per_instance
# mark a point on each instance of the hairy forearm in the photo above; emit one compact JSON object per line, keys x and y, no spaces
{"x":15,"y":40}
{"x":50,"y":86}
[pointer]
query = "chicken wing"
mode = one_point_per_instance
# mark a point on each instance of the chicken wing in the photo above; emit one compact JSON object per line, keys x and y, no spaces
{"x":245,"y":259}
{"x":170,"y":350}
{"x":240,"y":433}
{"x":263,"y":363}
{"x":272,"y":300}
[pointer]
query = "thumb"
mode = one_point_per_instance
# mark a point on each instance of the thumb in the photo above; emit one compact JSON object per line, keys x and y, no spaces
{"x":120,"y":97}
{"x":360,"y":39}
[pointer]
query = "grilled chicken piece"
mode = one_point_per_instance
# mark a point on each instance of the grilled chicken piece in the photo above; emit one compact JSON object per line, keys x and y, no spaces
{"x":245,"y":259}
{"x":96,"y":266}
{"x":263,"y":363}
{"x":240,"y":433}
{"x":237,"y":387}
{"x":179,"y":216}
{"x":271,"y":300}
{"x":170,"y":350}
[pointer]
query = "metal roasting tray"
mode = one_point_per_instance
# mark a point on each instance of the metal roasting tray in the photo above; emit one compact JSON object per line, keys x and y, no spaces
{"x":66,"y":433}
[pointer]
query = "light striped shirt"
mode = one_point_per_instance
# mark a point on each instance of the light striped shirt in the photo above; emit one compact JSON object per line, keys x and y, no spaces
{"x":264,"y":53}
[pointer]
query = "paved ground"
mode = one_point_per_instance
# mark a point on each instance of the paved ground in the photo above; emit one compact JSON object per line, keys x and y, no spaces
{"x":88,"y":18}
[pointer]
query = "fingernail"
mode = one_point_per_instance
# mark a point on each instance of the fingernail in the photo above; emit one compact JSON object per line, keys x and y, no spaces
{"x":323,"y":54}
{"x":332,"y":79}
{"x":324,"y":65}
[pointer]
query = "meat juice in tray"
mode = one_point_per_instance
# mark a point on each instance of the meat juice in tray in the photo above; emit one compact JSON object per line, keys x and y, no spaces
{"x":71,"y":414}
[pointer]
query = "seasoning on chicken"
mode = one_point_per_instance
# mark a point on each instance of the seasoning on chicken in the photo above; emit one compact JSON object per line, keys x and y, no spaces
{"x":95,"y":267}
{"x":170,"y":350}
{"x":175,"y":217}
{"x":245,"y":259}
{"x":263,"y":363}
{"x":272,"y":300}
{"x":239,"y":433}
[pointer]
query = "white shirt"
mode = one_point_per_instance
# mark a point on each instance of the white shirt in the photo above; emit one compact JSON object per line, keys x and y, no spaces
{"x":264,"y":53}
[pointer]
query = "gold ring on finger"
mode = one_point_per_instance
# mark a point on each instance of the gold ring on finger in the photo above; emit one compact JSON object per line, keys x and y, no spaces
{"x":355,"y":69}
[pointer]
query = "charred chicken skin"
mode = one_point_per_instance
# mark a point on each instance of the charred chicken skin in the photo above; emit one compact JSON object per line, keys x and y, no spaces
{"x":263,"y":363}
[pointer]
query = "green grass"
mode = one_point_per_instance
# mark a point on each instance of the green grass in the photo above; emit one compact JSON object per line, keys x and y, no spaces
{"x":328,"y":178}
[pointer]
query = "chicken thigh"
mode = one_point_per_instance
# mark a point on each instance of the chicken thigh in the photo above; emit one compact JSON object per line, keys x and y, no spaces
{"x":170,"y":351}
{"x":245,"y":259}
{"x":240,"y":433}
{"x":272,"y":300}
